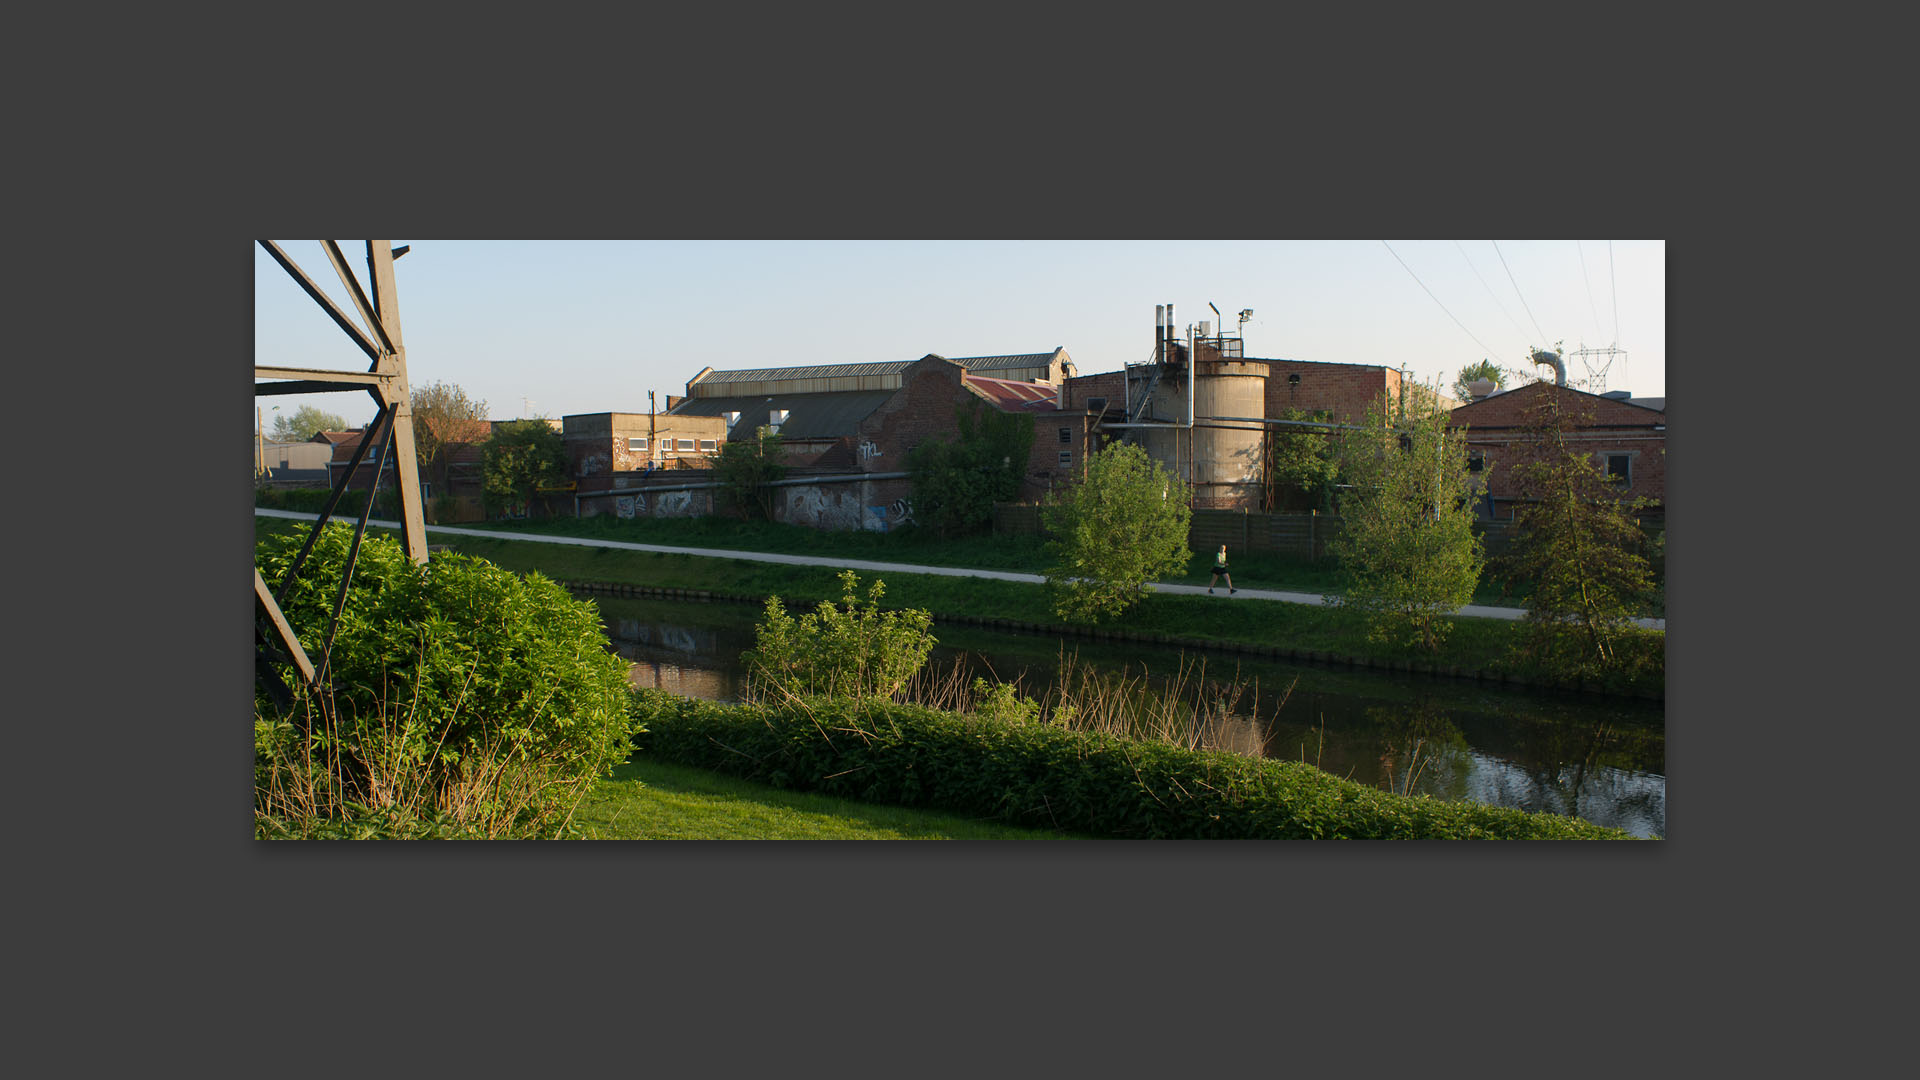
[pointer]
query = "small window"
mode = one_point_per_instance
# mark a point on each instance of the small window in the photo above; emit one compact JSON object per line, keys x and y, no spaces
{"x":683,"y":444}
{"x":1476,"y":462}
{"x":1066,"y":457}
{"x":636,"y":444}
{"x":1066,"y":434}
{"x":1620,"y":468}
{"x":707,"y":446}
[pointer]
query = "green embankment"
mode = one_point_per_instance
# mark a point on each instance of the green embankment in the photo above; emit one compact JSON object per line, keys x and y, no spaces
{"x":1483,"y":648}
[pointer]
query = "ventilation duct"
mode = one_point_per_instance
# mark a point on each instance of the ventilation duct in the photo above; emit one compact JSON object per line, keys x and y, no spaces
{"x":1552,"y":360}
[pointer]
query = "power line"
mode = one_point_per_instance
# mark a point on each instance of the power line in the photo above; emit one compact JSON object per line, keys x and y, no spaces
{"x":1589,"y":284}
{"x":1611,"y":284}
{"x":1522,"y":334}
{"x":1516,"y":292}
{"x":1429,"y":292}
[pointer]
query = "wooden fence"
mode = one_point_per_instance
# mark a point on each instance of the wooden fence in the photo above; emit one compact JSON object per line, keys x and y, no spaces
{"x":1297,"y":535}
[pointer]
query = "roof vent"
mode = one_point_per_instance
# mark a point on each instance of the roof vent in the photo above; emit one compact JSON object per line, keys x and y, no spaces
{"x":1617,"y":395}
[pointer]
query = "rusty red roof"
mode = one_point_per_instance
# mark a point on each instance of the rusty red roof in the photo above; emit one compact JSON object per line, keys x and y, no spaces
{"x":1015,"y":396}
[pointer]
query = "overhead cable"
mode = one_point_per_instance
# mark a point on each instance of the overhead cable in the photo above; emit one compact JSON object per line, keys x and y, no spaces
{"x":1519,"y":333}
{"x":1611,"y":284}
{"x":1516,"y":292}
{"x":1589,"y":284}
{"x":1429,"y":292}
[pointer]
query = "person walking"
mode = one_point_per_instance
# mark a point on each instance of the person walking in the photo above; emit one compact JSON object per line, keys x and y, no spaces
{"x":1220,"y":571}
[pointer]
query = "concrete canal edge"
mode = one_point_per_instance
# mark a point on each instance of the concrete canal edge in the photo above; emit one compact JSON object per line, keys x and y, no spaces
{"x":1112,"y":635}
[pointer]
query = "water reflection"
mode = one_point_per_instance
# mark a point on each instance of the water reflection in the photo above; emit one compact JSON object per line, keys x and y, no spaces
{"x":1598,"y":759}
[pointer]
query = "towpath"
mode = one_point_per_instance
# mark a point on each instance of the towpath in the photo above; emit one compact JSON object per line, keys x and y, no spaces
{"x":1471,"y":610}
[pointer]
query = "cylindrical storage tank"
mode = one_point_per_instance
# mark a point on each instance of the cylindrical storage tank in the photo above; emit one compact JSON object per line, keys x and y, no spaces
{"x":1226,"y":453}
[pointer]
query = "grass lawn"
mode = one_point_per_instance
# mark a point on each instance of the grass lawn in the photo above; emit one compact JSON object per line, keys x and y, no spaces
{"x":656,"y":800}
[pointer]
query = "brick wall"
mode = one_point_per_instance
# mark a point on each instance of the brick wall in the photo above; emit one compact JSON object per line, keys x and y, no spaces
{"x":1343,"y":390}
{"x":1607,"y":427}
{"x":1111,"y":385}
{"x":597,"y":443}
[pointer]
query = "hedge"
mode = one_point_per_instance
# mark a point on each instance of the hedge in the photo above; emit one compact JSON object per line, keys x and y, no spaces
{"x":1040,"y":776}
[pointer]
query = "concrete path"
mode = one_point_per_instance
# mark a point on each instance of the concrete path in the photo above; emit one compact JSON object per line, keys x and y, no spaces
{"x":1470,"y":610}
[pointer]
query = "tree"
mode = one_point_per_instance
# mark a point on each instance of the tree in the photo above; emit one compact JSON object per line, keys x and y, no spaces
{"x":1472,"y":373}
{"x":1300,"y":467}
{"x":955,"y":484}
{"x":519,"y":460}
{"x":748,"y":467}
{"x":444,"y":417}
{"x":1577,"y":542}
{"x":305,"y":422}
{"x":1125,"y":525}
{"x":1407,"y":543}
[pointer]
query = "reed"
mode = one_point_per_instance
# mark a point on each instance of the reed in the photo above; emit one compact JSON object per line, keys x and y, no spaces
{"x":1191,"y":708}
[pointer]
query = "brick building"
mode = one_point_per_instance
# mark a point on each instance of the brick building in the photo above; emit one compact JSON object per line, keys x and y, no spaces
{"x":846,"y":430}
{"x":602,"y":444}
{"x":1627,"y":437}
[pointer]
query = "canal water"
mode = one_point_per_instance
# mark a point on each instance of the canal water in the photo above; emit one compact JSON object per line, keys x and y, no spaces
{"x":1597,"y":758}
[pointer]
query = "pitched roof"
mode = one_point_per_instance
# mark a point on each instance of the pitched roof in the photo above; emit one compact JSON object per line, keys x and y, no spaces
{"x":809,"y":416}
{"x":888,"y":367}
{"x":1015,"y":396}
{"x":1535,"y":389}
{"x":1002,"y":363}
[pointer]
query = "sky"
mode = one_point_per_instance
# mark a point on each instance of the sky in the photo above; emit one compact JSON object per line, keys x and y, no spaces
{"x":549,"y":328}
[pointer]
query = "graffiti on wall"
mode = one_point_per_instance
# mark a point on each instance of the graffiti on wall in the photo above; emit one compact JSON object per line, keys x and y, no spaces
{"x":868,"y":450}
{"x":623,"y":506}
{"x":891,"y":516}
{"x":673,"y":504}
{"x":814,"y":506}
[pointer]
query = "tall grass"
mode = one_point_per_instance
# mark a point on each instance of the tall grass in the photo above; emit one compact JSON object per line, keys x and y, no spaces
{"x":319,"y":774}
{"x":1190,"y":709}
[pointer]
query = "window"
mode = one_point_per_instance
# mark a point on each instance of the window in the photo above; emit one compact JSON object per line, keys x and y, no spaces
{"x":683,"y":444}
{"x":1066,"y":457}
{"x":1476,"y":462}
{"x":1620,"y":468}
{"x":707,"y":446}
{"x":636,"y":444}
{"x":1066,"y":434}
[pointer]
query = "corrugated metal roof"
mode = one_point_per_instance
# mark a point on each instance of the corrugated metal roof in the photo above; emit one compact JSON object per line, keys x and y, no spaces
{"x":890,"y":367}
{"x":809,"y":416}
{"x":1014,"y":396}
{"x":819,"y":371}
{"x":1000,"y":363}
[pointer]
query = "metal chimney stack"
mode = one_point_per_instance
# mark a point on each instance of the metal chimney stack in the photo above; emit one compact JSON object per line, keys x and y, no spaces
{"x":1159,"y":333}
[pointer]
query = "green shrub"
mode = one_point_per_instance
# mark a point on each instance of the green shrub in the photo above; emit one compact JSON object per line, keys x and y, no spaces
{"x":856,"y":651}
{"x":456,"y":689}
{"x":1043,"y":776}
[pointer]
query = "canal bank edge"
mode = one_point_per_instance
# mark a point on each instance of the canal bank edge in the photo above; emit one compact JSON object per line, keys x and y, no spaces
{"x":1099,"y":634}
